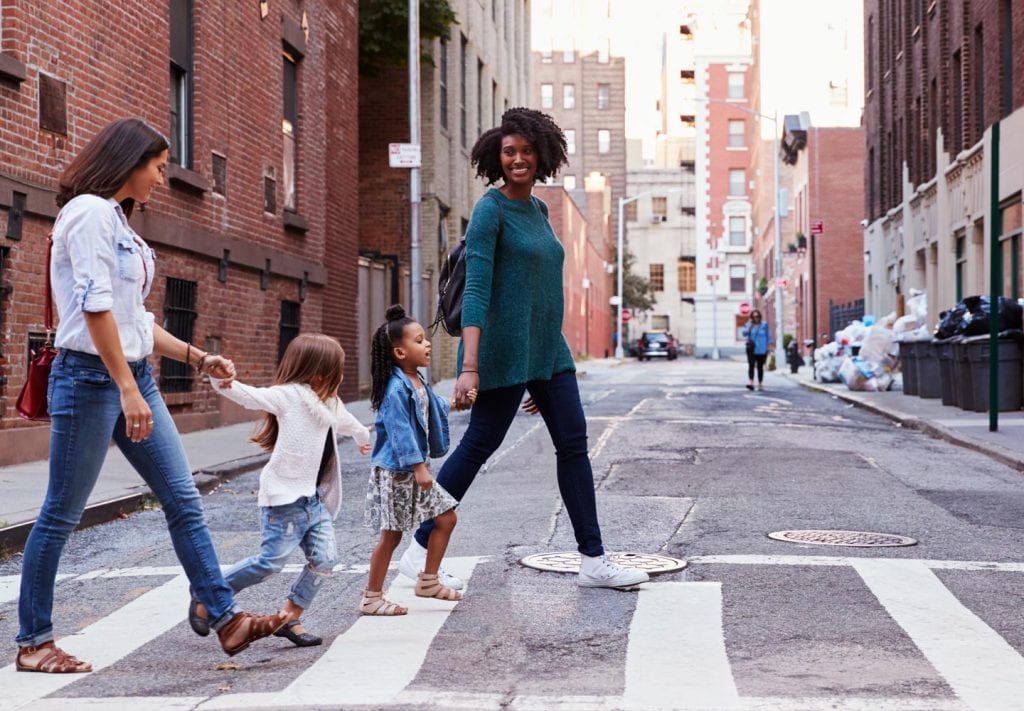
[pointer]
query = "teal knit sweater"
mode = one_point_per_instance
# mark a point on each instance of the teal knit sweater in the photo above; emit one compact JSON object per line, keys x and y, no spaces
{"x":514,"y":292}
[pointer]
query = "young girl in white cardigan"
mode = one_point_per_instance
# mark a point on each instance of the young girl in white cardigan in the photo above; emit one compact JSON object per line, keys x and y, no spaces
{"x":300,"y":487}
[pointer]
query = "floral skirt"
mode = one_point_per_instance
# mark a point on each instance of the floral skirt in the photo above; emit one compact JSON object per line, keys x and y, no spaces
{"x":394,"y":502}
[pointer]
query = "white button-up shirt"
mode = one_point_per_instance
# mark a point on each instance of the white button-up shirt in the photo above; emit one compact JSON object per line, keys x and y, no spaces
{"x":100,"y":264}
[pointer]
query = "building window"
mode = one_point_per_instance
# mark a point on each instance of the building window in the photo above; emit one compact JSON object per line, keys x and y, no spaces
{"x":736,"y":85}
{"x":659,"y":208}
{"x":289,"y":128}
{"x":870,"y":60}
{"x":631,"y":211}
{"x":479,"y":96}
{"x":568,"y":96}
{"x":569,"y":53}
{"x":569,"y":182}
{"x":547,"y":55}
{"x":443,"y":84}
{"x":604,"y":140}
{"x":1010,"y":217}
{"x":1006,"y":56}
{"x":463,"y":49}
{"x":958,"y":105}
{"x":737,"y":232}
{"x":687,"y":275}
{"x":179,"y":320}
{"x":603,"y":96}
{"x":737,"y":133}
{"x":737,"y":278}
{"x":570,"y":141}
{"x":657,"y":277}
{"x":547,"y":96}
{"x":961,"y":265}
{"x":737,"y":182}
{"x":219,"y":164}
{"x":604,"y":50}
{"x":180,"y":137}
{"x":288,"y":328}
{"x":269,"y":195}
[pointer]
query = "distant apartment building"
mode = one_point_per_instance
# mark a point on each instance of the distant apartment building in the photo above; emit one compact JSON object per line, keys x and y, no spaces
{"x":938,"y":77}
{"x":254,"y":232}
{"x":478,"y":71}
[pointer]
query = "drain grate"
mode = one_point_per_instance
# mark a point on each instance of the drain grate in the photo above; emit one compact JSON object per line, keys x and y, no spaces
{"x":569,"y":562}
{"x":858,"y":539}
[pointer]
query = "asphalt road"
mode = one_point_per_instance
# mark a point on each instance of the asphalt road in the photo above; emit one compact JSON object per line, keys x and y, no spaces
{"x":688,"y":464}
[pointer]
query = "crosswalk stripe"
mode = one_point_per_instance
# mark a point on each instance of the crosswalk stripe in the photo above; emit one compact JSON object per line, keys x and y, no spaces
{"x":120,"y":703}
{"x":372,"y":662}
{"x":105,"y":641}
{"x":676,"y":653}
{"x":977,"y":663}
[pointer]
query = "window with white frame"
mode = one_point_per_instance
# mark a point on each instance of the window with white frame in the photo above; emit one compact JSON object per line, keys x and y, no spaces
{"x":737,"y":133}
{"x":737,"y":278}
{"x":569,"y":182}
{"x":604,"y":95}
{"x":659,"y":207}
{"x":570,"y":141}
{"x":737,"y":182}
{"x":604,"y":140}
{"x":568,"y":96}
{"x":736,"y":85}
{"x":547,"y":96}
{"x":737,"y":232}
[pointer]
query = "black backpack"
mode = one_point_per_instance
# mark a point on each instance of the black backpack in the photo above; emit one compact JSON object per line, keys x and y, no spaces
{"x":452,"y":283}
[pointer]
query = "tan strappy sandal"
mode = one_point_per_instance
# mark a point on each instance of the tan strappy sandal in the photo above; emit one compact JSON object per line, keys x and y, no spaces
{"x":56,"y":662}
{"x":430,"y":586}
{"x":373,"y":603}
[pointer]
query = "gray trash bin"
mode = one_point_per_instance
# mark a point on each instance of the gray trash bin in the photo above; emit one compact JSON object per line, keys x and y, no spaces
{"x":947,"y":370}
{"x":908,"y":366}
{"x":929,"y":380}
{"x":1009,"y":354}
{"x":962,"y":376}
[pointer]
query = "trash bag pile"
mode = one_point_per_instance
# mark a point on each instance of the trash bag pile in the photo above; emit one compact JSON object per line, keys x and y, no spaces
{"x":863,"y":355}
{"x":913,"y":326}
{"x":971,"y":317}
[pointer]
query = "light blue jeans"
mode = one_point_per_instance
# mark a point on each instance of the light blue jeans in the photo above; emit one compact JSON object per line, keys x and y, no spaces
{"x":305,"y":522}
{"x":85,"y":413}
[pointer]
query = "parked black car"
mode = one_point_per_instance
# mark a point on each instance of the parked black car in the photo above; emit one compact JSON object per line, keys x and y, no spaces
{"x":657,"y":344}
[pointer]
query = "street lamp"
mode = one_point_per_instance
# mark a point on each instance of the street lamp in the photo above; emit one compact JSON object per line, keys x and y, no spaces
{"x":622,"y":204}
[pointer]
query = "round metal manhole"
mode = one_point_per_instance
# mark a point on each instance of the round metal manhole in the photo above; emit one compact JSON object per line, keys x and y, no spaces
{"x":569,"y":562}
{"x":858,"y":539}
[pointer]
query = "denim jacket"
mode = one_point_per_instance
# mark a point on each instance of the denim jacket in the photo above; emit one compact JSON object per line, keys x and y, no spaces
{"x":759,"y":335}
{"x":402,"y":436}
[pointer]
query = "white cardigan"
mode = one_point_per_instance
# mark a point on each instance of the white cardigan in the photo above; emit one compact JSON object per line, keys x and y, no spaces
{"x":303,"y":420}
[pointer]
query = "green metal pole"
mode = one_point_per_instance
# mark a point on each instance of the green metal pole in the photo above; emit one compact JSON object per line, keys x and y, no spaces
{"x":996,"y":281}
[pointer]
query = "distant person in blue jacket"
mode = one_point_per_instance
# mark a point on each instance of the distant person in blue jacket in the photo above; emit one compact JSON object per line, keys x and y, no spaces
{"x":759,"y":340}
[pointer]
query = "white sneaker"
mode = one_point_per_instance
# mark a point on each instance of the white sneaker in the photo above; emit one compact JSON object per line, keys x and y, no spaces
{"x":411,"y":565}
{"x":600,"y":572}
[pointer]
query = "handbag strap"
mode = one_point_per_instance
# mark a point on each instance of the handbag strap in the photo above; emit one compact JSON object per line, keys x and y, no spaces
{"x":48,"y":302}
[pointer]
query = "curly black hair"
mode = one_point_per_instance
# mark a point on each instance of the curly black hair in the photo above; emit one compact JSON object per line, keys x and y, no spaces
{"x":386,"y":337}
{"x":537,"y":128}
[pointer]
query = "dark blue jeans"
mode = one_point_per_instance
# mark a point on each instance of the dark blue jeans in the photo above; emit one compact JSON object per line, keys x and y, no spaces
{"x":85,"y":414}
{"x":558,"y":400}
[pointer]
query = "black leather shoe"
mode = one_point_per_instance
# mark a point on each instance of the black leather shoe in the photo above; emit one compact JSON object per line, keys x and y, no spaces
{"x":299,"y":640}
{"x":200,"y":625}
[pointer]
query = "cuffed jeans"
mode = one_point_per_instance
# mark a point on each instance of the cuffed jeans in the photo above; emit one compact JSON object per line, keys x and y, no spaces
{"x":558,"y":401}
{"x":85,"y":412}
{"x":304,"y":522}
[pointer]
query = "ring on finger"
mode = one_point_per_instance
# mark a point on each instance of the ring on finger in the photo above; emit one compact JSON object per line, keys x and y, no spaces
{"x":137,"y":424}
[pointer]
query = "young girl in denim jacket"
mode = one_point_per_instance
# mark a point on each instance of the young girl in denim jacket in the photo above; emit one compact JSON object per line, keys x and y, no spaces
{"x":300,"y":487}
{"x":412,"y":427}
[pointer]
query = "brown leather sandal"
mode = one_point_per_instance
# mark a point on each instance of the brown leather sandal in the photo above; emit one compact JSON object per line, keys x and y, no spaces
{"x":255,"y":626}
{"x":56,"y":662}
{"x":430,"y":586}
{"x":373,"y":603}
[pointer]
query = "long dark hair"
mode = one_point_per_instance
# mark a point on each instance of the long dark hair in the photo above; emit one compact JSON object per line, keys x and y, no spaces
{"x":314,"y":359}
{"x":107,"y":161}
{"x":382,"y":362}
{"x":538,"y":128}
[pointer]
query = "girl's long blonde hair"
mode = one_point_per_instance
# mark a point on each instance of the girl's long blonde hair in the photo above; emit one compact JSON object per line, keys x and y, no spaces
{"x":313,"y":359}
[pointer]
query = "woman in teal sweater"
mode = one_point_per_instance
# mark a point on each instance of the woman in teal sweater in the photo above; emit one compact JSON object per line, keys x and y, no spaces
{"x":512,"y":339}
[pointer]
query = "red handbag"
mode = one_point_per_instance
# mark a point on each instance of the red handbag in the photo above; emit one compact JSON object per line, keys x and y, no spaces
{"x":31,"y":402}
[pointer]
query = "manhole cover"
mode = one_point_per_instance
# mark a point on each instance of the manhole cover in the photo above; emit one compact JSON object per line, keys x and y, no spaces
{"x":859,"y":539}
{"x":569,"y":562}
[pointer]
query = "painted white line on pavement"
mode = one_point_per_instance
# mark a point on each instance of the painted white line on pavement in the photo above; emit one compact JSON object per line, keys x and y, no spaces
{"x":612,"y":426}
{"x":372,"y":662}
{"x":676,"y":655}
{"x":969,"y":565}
{"x":105,"y":641}
{"x":10,"y":585}
{"x":119,"y":703}
{"x":489,"y":464}
{"x":977,"y":663}
{"x":851,"y":704}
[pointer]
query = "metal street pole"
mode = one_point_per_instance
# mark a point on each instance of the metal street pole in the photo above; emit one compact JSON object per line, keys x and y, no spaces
{"x":415,"y":296}
{"x":780,"y":356}
{"x":618,"y":320}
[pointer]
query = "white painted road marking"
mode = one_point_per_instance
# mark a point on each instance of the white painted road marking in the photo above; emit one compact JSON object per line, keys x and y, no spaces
{"x":676,"y":655}
{"x":979,"y":665}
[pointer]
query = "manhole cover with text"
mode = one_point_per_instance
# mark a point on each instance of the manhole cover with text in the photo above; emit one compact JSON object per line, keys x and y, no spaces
{"x":858,"y":539}
{"x":569,"y":562}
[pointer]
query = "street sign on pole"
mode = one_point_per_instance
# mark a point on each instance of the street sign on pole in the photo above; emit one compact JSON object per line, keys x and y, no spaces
{"x":818,"y":227}
{"x":404,"y":155}
{"x":745,"y":308}
{"x":627,"y":314}
{"x":782,"y":282}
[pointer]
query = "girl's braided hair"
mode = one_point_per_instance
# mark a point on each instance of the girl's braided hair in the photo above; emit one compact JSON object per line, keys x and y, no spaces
{"x":538,"y":128}
{"x":385,"y":338}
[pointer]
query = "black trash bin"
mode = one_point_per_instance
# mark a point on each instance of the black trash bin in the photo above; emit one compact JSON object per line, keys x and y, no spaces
{"x":947,"y":370}
{"x":929,"y":380}
{"x":908,"y":366}
{"x":962,"y":375}
{"x":1009,"y":354}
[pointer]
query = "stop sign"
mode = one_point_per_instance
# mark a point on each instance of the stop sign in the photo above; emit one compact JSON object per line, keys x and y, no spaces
{"x":745,"y":309}
{"x":626,"y":314}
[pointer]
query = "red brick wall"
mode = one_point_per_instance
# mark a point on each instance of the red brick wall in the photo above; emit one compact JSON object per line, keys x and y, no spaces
{"x":115,"y":62}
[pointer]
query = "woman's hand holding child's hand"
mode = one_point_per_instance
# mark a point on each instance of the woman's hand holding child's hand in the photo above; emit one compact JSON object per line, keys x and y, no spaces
{"x":530,"y":407}
{"x":364,"y":449}
{"x":423,"y":478}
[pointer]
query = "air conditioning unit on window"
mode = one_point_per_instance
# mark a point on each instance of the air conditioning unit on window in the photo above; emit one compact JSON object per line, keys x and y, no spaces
{"x":656,"y":219}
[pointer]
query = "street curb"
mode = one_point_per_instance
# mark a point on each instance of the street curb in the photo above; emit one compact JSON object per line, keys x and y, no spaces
{"x":12,"y":538}
{"x":999,"y":454}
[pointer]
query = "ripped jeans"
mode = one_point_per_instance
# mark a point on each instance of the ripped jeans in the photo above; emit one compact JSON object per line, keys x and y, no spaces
{"x":305,"y":522}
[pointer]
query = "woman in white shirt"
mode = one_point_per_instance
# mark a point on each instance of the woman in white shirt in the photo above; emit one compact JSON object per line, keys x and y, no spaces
{"x":102,"y":388}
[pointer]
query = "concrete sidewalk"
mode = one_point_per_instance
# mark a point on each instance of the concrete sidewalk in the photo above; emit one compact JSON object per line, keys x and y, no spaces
{"x":967,"y":429}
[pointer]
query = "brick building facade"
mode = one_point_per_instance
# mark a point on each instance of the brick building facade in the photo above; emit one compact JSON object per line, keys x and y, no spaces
{"x":253,"y":234}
